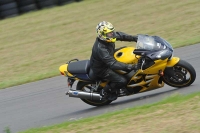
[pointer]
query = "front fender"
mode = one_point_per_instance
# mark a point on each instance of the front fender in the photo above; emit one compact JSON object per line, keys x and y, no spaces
{"x":173,"y":62}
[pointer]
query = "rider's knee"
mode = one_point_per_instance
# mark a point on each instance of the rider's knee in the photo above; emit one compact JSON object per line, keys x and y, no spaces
{"x":123,"y":81}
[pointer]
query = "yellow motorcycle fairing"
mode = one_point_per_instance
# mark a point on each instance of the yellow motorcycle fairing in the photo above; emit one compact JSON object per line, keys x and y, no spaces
{"x":126,"y":55}
{"x":64,"y":71}
{"x":149,"y":78}
{"x":173,"y":62}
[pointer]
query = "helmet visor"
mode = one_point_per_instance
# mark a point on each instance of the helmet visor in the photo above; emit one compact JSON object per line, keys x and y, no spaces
{"x":111,"y":34}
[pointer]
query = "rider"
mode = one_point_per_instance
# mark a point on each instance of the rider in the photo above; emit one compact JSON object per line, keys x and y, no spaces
{"x":103,"y":62}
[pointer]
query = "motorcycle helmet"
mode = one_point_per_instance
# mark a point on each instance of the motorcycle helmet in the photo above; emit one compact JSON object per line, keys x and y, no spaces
{"x":105,"y":31}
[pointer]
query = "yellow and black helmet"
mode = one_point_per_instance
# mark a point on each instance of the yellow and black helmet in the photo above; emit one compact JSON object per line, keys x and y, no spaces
{"x":105,"y":31}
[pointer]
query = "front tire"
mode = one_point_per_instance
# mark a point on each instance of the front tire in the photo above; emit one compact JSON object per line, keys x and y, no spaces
{"x":85,"y":86}
{"x":184,"y":75}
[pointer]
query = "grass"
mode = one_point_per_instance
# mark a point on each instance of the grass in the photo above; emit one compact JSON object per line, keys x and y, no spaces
{"x":176,"y":114}
{"x":34,"y":45}
{"x":7,"y":130}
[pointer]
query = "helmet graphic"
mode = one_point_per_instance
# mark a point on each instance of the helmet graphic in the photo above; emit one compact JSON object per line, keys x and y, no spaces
{"x":105,"y":31}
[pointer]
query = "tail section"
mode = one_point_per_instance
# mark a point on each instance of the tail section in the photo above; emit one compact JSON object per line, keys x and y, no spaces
{"x":64,"y":71}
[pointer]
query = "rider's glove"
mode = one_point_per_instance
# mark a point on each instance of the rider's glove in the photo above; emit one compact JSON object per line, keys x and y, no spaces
{"x":140,"y":62}
{"x":133,"y":67}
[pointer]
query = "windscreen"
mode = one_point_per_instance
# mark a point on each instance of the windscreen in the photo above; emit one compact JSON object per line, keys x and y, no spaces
{"x":152,"y":43}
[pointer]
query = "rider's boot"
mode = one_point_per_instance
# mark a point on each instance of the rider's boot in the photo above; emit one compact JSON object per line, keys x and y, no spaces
{"x":105,"y":92}
{"x":108,"y":93}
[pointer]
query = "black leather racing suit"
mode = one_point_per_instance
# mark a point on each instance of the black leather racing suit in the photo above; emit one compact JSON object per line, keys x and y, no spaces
{"x":103,"y":63}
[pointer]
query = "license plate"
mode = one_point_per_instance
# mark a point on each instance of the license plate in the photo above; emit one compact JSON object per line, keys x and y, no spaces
{"x":70,"y":82}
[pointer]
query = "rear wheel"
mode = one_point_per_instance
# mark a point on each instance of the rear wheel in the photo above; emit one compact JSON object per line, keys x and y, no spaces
{"x":86,"y":87}
{"x":184,"y":75}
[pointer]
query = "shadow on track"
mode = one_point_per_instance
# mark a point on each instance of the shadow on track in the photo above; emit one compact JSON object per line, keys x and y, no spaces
{"x":135,"y":98}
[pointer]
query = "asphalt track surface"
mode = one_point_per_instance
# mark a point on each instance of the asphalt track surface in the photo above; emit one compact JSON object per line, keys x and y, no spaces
{"x":44,"y":102}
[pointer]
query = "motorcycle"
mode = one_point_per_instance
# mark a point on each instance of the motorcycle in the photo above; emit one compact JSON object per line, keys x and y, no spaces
{"x":158,"y":67}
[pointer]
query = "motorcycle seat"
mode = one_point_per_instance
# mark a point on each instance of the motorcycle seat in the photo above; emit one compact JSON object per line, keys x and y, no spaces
{"x":81,"y":67}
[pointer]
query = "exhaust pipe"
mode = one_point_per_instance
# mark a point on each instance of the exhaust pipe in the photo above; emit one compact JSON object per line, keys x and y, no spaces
{"x":84,"y":95}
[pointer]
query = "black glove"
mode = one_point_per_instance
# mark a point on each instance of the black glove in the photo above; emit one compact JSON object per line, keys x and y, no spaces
{"x":133,"y":67}
{"x":139,"y":62}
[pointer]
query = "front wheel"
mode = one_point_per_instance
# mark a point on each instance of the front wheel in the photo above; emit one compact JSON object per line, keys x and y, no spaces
{"x":184,"y":75}
{"x":85,"y":86}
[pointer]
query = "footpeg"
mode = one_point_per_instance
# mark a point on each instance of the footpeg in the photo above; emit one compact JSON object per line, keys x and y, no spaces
{"x":67,"y":93}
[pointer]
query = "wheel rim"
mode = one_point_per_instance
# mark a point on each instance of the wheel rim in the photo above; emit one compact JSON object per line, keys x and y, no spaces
{"x":181,"y":77}
{"x":87,"y":88}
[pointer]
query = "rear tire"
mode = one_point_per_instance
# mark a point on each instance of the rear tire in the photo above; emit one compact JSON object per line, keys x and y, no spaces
{"x":2,"y":2}
{"x":83,"y":87}
{"x":26,"y":6}
{"x":184,"y":75}
{"x":8,"y":10}
{"x":45,"y":3}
